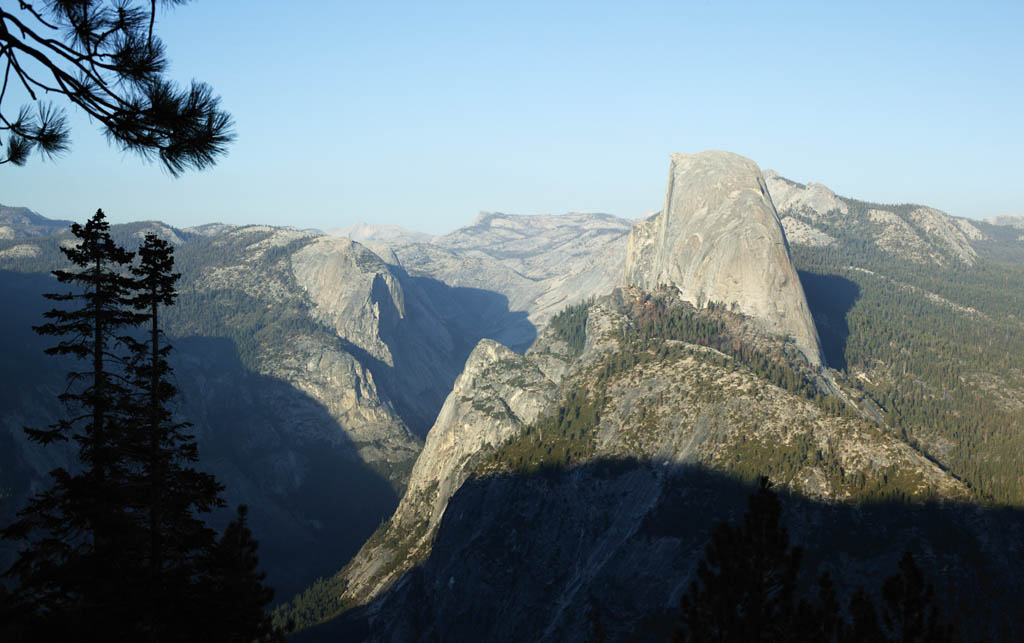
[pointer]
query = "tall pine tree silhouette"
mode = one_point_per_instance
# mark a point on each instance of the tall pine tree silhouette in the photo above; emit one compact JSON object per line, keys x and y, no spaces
{"x":168,"y":493}
{"x":117,"y":549}
{"x":864,"y":626}
{"x":70,"y":571}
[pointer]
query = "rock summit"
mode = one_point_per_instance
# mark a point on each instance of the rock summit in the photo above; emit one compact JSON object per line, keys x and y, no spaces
{"x":719,"y":239}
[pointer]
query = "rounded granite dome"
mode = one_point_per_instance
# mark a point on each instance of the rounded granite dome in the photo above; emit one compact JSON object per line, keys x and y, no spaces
{"x":718,"y":239}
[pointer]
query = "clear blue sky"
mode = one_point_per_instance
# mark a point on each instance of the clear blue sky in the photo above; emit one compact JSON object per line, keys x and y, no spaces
{"x":421,"y":114}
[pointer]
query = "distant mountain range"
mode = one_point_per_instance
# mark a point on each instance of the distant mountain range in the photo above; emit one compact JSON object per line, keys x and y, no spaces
{"x":20,"y":223}
{"x":1012,"y":220}
{"x":536,"y":402}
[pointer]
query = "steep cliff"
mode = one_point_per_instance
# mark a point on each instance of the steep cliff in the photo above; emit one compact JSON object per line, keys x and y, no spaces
{"x":719,"y":239}
{"x":539,"y":263}
{"x":353,"y":290}
{"x":281,"y":409}
{"x":498,"y":393}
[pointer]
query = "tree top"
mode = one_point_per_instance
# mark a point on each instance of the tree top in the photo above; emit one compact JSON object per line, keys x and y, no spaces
{"x":103,"y":56}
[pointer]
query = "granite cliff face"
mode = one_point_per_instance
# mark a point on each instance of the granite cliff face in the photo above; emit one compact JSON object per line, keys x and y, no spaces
{"x":497,"y":394}
{"x":353,"y":291}
{"x":538,"y":263}
{"x":719,"y":240}
{"x":412,"y":331}
{"x":281,"y":409}
{"x":267,"y":268}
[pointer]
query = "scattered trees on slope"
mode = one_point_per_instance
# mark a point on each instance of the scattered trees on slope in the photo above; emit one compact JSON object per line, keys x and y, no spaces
{"x":570,"y":325}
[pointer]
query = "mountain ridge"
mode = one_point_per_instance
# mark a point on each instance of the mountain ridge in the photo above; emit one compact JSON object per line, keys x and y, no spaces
{"x":632,"y":396}
{"x":505,"y":280}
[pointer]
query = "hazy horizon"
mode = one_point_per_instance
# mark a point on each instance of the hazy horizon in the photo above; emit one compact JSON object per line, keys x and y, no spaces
{"x":422,"y":116}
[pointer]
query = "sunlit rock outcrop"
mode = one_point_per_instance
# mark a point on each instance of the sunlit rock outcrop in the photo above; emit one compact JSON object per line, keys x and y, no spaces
{"x":719,"y":240}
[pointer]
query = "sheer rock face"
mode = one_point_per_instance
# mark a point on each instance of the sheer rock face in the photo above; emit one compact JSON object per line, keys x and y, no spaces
{"x":353,"y":290}
{"x":498,"y":393}
{"x":413,"y":332}
{"x":719,"y":239}
{"x":539,"y":264}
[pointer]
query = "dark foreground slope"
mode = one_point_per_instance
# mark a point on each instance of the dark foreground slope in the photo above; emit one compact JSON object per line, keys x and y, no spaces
{"x":529,"y":556}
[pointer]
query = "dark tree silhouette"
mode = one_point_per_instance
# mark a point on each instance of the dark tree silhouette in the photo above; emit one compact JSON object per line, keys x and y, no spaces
{"x":169,"y":494}
{"x":103,"y":56}
{"x":236,"y":608}
{"x":910,"y":610}
{"x":117,"y":550}
{"x":744,"y":590}
{"x":864,"y":627}
{"x":70,"y":571}
{"x":823,"y":621}
{"x":597,"y":633}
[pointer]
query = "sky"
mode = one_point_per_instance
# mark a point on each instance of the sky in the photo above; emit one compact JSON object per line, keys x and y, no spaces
{"x":422,"y":114}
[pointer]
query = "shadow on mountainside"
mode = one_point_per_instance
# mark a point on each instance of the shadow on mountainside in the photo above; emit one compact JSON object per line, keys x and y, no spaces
{"x":830,"y":298}
{"x":312,"y":500}
{"x":430,"y":344}
{"x":29,"y":383}
{"x":527,"y":556}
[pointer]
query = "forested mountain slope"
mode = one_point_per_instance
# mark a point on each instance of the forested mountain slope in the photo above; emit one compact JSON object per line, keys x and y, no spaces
{"x":656,"y":416}
{"x":924,"y":313}
{"x":268,"y":389}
